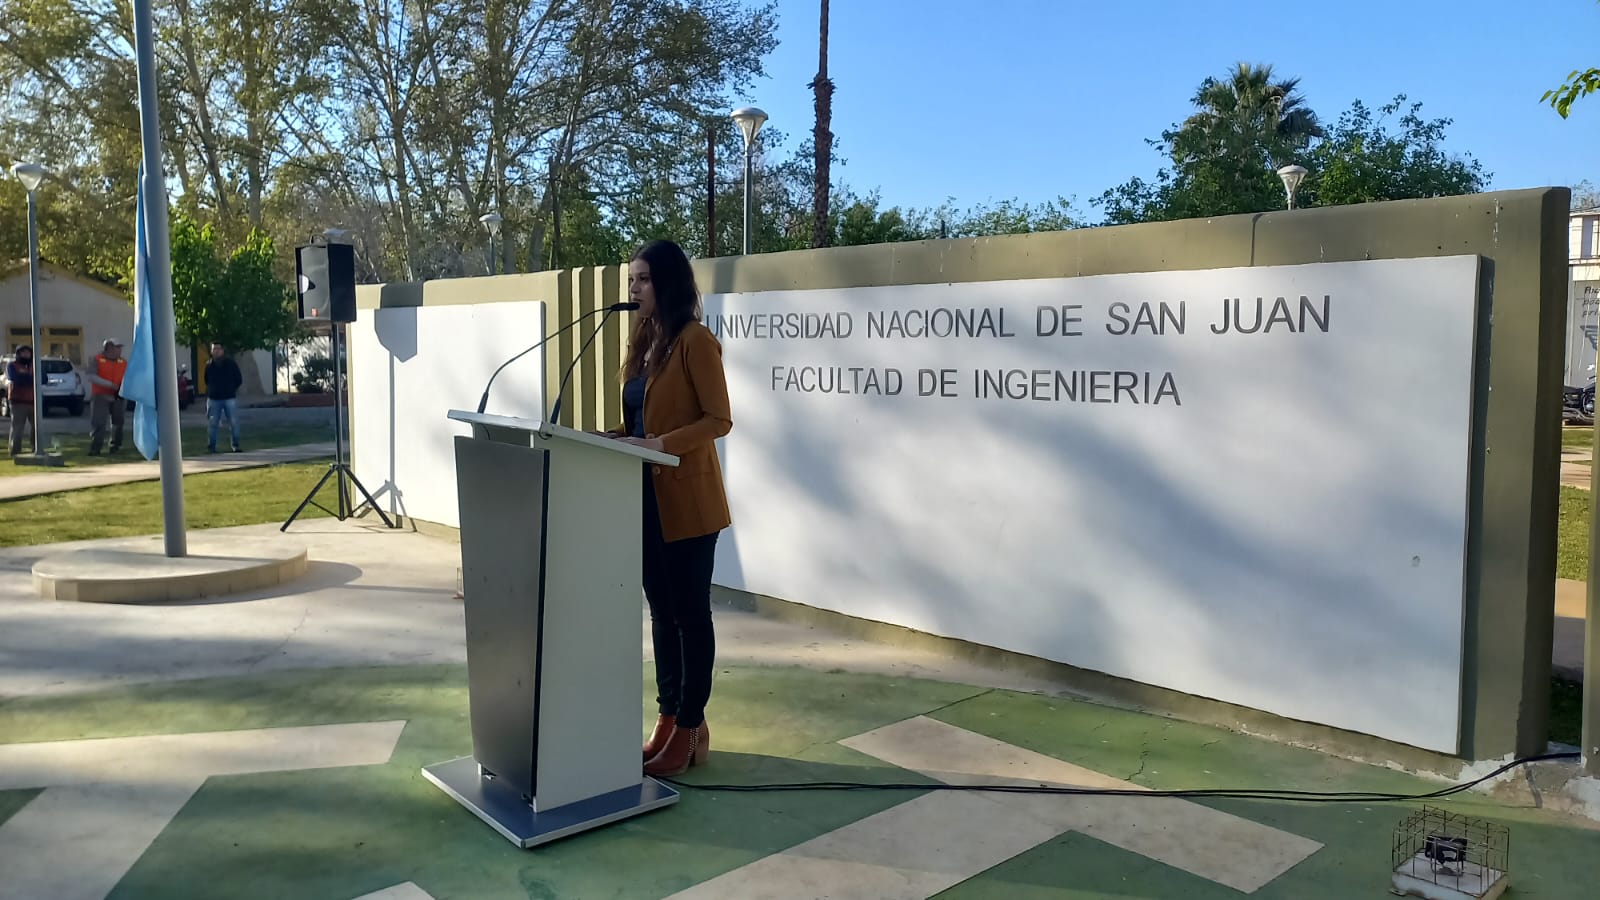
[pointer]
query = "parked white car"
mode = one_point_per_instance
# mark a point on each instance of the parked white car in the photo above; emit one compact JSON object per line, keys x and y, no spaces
{"x":63,"y":386}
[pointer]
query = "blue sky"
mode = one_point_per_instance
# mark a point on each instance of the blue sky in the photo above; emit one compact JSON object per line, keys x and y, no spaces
{"x":1034,"y":99}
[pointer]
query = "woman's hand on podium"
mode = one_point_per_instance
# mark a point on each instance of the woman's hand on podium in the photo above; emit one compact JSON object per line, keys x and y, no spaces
{"x":649,"y":443}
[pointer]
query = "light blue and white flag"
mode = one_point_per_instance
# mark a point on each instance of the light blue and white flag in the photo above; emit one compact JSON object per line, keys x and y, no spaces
{"x":139,"y":380}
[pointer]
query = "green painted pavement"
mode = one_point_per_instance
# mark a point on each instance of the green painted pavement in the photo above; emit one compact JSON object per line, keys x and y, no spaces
{"x":1549,"y":852}
{"x":341,"y":833}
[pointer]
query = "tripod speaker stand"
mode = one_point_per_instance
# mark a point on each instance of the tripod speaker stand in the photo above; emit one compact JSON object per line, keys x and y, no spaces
{"x":339,"y":470}
{"x":327,"y":288}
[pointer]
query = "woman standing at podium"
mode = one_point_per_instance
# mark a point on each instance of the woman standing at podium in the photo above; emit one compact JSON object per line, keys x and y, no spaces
{"x":675,"y":400}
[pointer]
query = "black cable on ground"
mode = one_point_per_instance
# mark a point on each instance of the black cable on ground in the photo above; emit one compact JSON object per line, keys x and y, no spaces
{"x":1287,"y":796}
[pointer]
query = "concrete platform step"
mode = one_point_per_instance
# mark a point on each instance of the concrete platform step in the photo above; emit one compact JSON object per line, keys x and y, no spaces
{"x":138,"y":571}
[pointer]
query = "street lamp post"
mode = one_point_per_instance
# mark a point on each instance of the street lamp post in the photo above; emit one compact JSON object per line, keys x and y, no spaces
{"x":492,"y":221}
{"x":1292,"y":176}
{"x":31,"y":174}
{"x":750,"y":120}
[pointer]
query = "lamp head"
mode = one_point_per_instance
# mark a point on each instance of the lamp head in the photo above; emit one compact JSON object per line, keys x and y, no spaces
{"x":30,"y":174}
{"x":750,"y":120}
{"x":1292,"y":176}
{"x":492,"y":222}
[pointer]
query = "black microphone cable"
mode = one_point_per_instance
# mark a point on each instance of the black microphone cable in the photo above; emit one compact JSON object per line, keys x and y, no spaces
{"x":1278,"y":794}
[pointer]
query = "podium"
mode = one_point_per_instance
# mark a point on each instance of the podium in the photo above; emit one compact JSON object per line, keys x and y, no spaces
{"x":551,"y":568}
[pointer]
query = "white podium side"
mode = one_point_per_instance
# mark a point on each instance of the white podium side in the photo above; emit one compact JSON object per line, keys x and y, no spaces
{"x":551,"y":560}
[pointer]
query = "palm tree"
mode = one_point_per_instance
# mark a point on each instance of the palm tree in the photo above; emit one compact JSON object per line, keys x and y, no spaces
{"x":822,"y":85}
{"x":1249,"y":108}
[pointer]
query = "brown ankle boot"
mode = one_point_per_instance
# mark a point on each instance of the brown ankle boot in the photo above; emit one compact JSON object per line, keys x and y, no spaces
{"x":687,"y":747}
{"x":659,"y":736}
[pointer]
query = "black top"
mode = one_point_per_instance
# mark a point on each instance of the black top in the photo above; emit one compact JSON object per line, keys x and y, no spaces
{"x":633,"y":402}
{"x":223,"y":379}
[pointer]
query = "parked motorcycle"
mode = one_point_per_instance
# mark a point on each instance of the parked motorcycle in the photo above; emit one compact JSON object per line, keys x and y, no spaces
{"x":186,"y":388}
{"x":186,"y":392}
{"x":1578,"y":402}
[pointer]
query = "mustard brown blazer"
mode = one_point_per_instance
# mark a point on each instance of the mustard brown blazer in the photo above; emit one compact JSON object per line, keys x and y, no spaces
{"x":686,"y":405}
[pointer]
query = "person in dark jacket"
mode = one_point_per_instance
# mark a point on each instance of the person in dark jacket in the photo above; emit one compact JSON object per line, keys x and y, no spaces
{"x":19,"y":393}
{"x":223,"y":381}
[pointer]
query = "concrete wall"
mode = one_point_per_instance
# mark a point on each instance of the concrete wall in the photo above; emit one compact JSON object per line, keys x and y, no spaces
{"x":1106,"y":472}
{"x":1523,"y":237}
{"x":65,"y":301}
{"x":408,"y":368}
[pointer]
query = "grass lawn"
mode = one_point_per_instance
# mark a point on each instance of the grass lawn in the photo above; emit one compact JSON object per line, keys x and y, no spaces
{"x":1577,"y":437}
{"x":1572,"y":535}
{"x":75,"y":447}
{"x":213,"y":500}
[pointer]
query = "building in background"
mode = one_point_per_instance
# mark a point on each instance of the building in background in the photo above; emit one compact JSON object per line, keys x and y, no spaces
{"x":76,"y":314}
{"x":1583,"y":295}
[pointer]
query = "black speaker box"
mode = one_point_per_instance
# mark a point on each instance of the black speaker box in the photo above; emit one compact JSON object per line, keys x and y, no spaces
{"x":325,"y":278}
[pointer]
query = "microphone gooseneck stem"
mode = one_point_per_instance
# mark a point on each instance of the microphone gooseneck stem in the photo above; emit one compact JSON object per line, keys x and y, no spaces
{"x":483,"y":402}
{"x":555,"y":411}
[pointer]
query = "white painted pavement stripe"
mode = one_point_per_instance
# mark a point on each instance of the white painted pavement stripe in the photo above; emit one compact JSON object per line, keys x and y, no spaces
{"x":1215,"y":845}
{"x":926,"y":845}
{"x":407,"y":891}
{"x":105,"y":801}
{"x":907,"y":852}
{"x":157,"y":757}
{"x":76,"y":842}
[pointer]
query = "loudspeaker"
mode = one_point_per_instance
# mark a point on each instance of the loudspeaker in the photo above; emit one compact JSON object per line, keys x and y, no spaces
{"x":325,"y":278}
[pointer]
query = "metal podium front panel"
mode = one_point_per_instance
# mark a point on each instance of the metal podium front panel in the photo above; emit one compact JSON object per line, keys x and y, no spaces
{"x":501,"y":495}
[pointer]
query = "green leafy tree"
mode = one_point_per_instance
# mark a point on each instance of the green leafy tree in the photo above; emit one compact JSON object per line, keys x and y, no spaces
{"x":863,"y":222}
{"x":1363,"y":160}
{"x":1224,"y":160}
{"x":1577,"y":86}
{"x":232,"y":298}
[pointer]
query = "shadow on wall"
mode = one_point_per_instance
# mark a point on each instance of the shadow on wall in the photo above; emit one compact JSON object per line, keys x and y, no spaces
{"x":396,"y":330}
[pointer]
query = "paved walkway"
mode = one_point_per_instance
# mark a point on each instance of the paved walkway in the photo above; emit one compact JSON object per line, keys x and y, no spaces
{"x":1576,"y":470}
{"x":269,"y":745}
{"x":372,"y":597}
{"x":1572,"y":604}
{"x":52,"y":481}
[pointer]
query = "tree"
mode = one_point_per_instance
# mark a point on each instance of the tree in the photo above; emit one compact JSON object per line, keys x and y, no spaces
{"x":1250,"y":109}
{"x":1577,"y":86}
{"x":1585,"y":197}
{"x":1364,"y":161}
{"x":822,"y":138}
{"x":234,"y":299}
{"x":1223,"y":159}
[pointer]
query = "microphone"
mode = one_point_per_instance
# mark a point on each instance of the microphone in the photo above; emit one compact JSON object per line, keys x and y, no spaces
{"x":483,"y":401}
{"x":555,"y":410}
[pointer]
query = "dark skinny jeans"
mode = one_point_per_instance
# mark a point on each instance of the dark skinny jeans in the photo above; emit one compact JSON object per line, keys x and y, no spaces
{"x":677,"y":585}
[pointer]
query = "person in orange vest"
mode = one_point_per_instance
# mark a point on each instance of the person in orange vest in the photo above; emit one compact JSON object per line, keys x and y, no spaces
{"x":105,"y":381}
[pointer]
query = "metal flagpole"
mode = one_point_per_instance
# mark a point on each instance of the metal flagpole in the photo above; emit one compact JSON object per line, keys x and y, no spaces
{"x":160,"y":274}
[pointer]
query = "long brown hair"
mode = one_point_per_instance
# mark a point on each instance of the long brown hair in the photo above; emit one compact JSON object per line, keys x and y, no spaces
{"x":677,"y":304}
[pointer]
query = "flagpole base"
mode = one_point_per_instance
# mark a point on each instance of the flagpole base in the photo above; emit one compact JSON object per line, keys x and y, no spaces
{"x":39,"y":459}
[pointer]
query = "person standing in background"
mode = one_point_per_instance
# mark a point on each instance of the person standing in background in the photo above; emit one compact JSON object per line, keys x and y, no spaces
{"x":105,"y":384}
{"x":223,"y":380}
{"x":19,"y":393}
